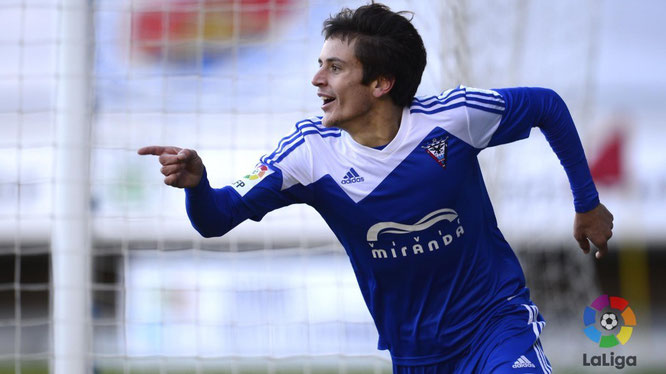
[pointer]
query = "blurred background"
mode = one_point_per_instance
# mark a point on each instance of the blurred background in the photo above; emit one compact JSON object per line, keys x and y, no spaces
{"x":100,"y":269}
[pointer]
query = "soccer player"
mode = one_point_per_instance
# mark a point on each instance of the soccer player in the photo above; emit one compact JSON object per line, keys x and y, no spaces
{"x":397,"y":180}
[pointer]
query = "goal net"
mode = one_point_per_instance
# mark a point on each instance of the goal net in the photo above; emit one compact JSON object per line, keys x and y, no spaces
{"x":229,"y":78}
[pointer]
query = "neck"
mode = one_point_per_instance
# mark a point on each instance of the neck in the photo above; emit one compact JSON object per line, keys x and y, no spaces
{"x":380,"y":128}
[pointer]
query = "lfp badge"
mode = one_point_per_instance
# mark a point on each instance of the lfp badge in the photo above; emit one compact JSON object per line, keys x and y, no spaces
{"x":609,"y":321}
{"x":245,"y":184}
{"x":258,"y":172}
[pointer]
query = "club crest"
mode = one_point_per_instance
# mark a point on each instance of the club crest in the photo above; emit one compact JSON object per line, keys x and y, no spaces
{"x":437,"y":150}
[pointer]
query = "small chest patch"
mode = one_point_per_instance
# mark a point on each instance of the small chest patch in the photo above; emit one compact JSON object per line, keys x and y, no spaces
{"x":436,"y":148}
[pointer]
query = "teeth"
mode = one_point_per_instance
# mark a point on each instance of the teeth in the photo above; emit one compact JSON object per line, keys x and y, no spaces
{"x":326,"y":99}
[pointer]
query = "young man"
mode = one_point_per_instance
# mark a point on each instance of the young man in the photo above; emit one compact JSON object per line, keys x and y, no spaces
{"x":398,"y":181}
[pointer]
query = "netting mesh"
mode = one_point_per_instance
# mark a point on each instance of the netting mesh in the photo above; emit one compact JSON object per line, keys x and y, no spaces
{"x":229,"y":78}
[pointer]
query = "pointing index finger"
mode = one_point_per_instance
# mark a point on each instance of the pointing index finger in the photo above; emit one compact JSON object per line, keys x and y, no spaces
{"x":154,"y":150}
{"x":157,"y":150}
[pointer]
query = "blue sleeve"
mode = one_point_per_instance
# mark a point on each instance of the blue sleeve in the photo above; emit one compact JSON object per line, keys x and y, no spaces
{"x":215,"y":211}
{"x":543,"y":108}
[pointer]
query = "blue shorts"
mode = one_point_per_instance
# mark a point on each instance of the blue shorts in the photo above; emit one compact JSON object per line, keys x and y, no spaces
{"x":509,"y":344}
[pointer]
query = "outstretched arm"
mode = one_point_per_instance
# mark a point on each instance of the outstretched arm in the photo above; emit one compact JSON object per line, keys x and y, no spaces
{"x":212,"y":212}
{"x":215,"y":211}
{"x":529,"y":107}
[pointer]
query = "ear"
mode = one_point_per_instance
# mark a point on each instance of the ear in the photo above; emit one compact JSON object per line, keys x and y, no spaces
{"x":382,"y":86}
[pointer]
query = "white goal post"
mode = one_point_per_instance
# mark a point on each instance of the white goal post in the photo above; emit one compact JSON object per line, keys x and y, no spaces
{"x":70,"y":240}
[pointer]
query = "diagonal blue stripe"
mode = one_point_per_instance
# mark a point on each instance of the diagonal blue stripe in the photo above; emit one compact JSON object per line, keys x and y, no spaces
{"x":486,"y":109}
{"x":285,"y":145}
{"x":496,"y":100}
{"x":437,"y":110}
{"x":282,"y":156}
{"x":486,"y":94}
{"x":440,"y":101}
{"x":328,"y":135}
{"x":322,"y":130}
{"x":303,"y":128}
{"x":428,"y":102}
{"x":437,"y":98}
{"x":300,"y":141}
{"x":457,"y":105}
{"x":489,"y":102}
{"x":284,"y":142}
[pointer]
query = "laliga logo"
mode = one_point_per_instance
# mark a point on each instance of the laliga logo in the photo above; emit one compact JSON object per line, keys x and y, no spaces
{"x":613,"y":313}
{"x":609,"y":321}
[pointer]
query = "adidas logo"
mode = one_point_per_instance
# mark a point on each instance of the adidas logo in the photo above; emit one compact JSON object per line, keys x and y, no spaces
{"x":522,"y":362}
{"x":351,"y":177}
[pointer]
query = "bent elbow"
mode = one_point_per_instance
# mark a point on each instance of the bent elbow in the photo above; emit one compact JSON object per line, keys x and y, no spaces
{"x":210,"y":232}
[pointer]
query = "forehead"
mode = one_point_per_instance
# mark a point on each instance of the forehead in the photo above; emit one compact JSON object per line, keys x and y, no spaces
{"x":336,"y":48}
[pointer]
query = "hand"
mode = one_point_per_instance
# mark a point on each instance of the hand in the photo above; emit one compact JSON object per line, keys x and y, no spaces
{"x":595,"y":225}
{"x":181,"y":167}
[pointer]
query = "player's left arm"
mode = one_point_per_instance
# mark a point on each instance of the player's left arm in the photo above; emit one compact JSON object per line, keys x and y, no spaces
{"x":544,"y":108}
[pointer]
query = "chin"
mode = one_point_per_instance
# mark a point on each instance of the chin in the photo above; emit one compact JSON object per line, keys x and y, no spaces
{"x":333,"y":121}
{"x":326,"y":122}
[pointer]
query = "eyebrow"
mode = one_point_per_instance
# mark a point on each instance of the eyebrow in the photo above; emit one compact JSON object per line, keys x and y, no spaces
{"x":332,"y":59}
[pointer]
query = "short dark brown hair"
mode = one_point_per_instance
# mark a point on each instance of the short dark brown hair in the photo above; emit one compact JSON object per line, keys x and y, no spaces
{"x":387,"y":45}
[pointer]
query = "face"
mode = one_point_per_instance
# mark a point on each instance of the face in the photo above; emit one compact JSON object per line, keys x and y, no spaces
{"x":346,"y":101}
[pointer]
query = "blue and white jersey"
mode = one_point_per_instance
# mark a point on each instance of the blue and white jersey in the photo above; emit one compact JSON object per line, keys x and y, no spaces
{"x":414,"y":217}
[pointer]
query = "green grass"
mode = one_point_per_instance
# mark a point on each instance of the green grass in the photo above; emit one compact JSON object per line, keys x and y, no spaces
{"x":205,"y":366}
{"x":172,"y":366}
{"x":39,"y":367}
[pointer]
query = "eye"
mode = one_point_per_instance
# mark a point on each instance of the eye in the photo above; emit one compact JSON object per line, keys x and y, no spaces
{"x":335,"y":68}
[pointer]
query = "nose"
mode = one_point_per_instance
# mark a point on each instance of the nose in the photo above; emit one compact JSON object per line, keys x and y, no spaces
{"x":318,"y":79}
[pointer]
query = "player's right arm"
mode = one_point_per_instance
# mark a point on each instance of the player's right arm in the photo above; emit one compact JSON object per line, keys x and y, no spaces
{"x":212,"y":212}
{"x":277,"y":181}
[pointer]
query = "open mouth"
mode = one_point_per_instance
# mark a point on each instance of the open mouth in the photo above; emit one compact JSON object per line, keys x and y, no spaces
{"x":326,"y":99}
